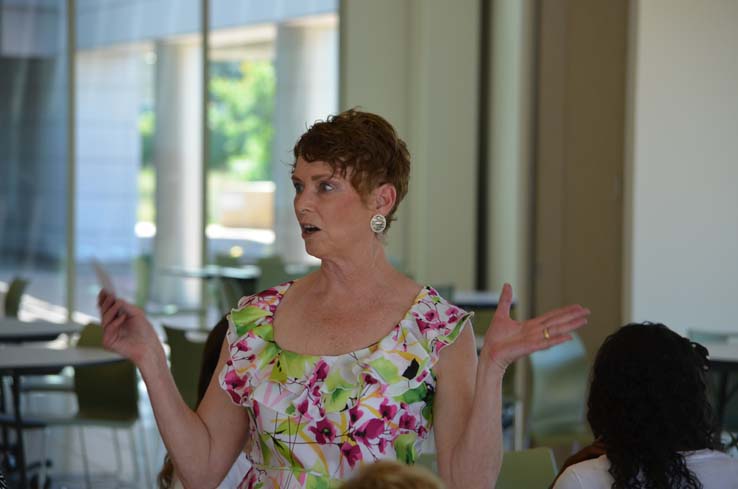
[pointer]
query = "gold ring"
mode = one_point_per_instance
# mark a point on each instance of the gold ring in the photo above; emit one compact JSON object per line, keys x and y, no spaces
{"x":545,"y":333}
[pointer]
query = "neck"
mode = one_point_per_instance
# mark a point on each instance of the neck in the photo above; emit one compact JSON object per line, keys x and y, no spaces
{"x":361,"y":270}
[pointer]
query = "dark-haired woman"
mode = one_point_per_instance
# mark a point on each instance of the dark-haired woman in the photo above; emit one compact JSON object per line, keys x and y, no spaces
{"x":351,"y":364}
{"x":648,"y":409}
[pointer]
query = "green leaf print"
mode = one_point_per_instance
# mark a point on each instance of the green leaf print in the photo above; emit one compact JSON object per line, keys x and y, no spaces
{"x":413,"y":395}
{"x":336,"y":381}
{"x":290,"y":427}
{"x":293,"y":364}
{"x":405,"y":448}
{"x":336,"y":400}
{"x":451,"y":337}
{"x":316,"y":482}
{"x":245,"y":318}
{"x":265,"y":332}
{"x":387,"y":370}
{"x":266,"y":452}
{"x":266,"y":357}
{"x":284,"y":450}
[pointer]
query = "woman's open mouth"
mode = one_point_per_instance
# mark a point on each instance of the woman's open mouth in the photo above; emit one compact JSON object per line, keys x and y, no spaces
{"x":308,"y":229}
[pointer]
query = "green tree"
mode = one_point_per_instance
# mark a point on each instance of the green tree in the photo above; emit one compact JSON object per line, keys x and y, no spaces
{"x":240,"y":114}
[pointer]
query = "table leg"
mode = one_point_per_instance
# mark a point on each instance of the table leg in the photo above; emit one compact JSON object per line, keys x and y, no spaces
{"x":21,"y":455}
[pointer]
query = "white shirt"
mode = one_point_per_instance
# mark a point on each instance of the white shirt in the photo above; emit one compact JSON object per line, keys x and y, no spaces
{"x":715,"y":470}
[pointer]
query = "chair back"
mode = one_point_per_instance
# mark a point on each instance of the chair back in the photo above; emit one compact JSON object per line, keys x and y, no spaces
{"x":534,"y":468}
{"x":185,"y":358}
{"x":105,"y":392}
{"x":273,"y":272}
{"x":560,"y":377}
{"x":142,"y":269}
{"x":728,"y":381}
{"x":13,"y":296}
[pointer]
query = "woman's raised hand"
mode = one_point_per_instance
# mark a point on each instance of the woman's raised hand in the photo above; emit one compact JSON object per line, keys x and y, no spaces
{"x":126,"y":329}
{"x":507,"y":340}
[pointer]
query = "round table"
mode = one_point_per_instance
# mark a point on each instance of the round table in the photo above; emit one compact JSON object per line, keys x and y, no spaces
{"x":13,"y":330}
{"x":16,"y":360}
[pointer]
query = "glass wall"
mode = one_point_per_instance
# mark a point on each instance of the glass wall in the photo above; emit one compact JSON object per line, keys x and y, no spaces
{"x":147,"y":202}
{"x":273,"y":71}
{"x":33,"y":153}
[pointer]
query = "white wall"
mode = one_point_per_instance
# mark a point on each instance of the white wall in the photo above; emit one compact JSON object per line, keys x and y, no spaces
{"x":416,"y":64}
{"x":684,"y":169}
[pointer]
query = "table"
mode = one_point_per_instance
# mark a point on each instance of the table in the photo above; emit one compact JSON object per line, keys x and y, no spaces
{"x":16,"y":360}
{"x":209,"y":272}
{"x":13,"y":330}
{"x":724,"y":361}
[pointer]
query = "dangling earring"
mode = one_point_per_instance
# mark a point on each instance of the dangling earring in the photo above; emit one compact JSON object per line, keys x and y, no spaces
{"x":378,"y":223}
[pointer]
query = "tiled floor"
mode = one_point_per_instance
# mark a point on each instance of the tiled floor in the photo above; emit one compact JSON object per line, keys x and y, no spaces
{"x":64,"y":448}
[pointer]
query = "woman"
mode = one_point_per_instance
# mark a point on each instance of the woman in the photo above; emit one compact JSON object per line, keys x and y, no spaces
{"x":351,"y":363}
{"x":648,"y":409}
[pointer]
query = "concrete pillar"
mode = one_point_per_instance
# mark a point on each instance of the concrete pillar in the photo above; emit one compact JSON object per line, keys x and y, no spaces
{"x":306,"y":67}
{"x":179,"y":169}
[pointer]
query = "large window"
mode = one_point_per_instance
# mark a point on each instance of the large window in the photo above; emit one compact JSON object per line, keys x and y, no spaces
{"x":33,"y":153}
{"x":147,"y":198}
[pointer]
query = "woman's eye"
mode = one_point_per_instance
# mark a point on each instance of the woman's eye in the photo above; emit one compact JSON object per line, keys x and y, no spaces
{"x":326,"y":187}
{"x":298,"y":187}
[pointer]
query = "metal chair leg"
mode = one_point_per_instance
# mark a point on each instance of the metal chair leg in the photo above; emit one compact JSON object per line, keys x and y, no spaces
{"x":118,"y":457}
{"x":85,"y":462}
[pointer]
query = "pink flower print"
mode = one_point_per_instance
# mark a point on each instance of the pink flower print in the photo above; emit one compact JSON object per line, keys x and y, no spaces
{"x":387,"y":410}
{"x":432,"y":292}
{"x":368,"y":379}
{"x":303,"y":407}
{"x":423,"y":326}
{"x":407,"y":422}
{"x":255,"y":408}
{"x":369,"y":431}
{"x":452,"y":311}
{"x":324,"y":431}
{"x":242,"y":346}
{"x":422,"y":431}
{"x":382,"y":445}
{"x":355,"y":413}
{"x":321,"y":371}
{"x":352,"y":453}
{"x":233,"y":380}
{"x":431,"y":316}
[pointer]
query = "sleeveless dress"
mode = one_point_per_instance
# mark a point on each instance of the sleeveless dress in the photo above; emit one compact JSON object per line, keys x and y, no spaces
{"x":316,"y":419}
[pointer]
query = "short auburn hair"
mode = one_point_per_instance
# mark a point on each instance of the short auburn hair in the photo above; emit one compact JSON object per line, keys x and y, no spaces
{"x":389,"y":474}
{"x":362,"y":145}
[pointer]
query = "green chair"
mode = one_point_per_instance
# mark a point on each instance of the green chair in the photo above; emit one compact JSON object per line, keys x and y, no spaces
{"x":534,"y":468}
{"x":13,"y":296}
{"x":107,"y":396}
{"x":273,"y":272}
{"x":185,"y":358}
{"x":560,"y":378}
{"x":716,"y":381}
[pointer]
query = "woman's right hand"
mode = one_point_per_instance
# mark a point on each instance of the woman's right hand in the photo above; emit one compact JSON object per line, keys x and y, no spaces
{"x":125,"y":329}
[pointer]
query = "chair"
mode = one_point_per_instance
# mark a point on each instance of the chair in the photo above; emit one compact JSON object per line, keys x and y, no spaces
{"x":560,"y":377}
{"x":13,"y":296}
{"x":534,"y":468}
{"x":185,"y":358}
{"x":273,"y":272}
{"x":107,"y":396}
{"x":718,"y":381}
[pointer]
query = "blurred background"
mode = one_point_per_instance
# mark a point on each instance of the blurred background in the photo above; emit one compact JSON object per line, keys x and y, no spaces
{"x":582,"y":150}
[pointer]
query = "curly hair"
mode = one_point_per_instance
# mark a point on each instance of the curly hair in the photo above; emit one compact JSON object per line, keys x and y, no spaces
{"x":648,"y":402}
{"x":362,"y":145}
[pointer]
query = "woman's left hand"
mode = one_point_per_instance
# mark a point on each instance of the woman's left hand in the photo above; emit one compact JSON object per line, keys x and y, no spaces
{"x":507,"y":340}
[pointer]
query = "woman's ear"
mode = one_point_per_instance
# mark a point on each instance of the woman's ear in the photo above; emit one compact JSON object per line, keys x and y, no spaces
{"x":385,"y":197}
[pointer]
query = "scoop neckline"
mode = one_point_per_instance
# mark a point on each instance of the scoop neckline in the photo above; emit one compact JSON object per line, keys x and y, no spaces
{"x":282,"y":290}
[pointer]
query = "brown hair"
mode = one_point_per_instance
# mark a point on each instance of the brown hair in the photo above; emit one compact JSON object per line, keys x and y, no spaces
{"x":387,"y":474}
{"x":362,"y":145}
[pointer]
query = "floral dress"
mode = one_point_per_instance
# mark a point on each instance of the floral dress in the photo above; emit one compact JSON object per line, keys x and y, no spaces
{"x":315,"y":419}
